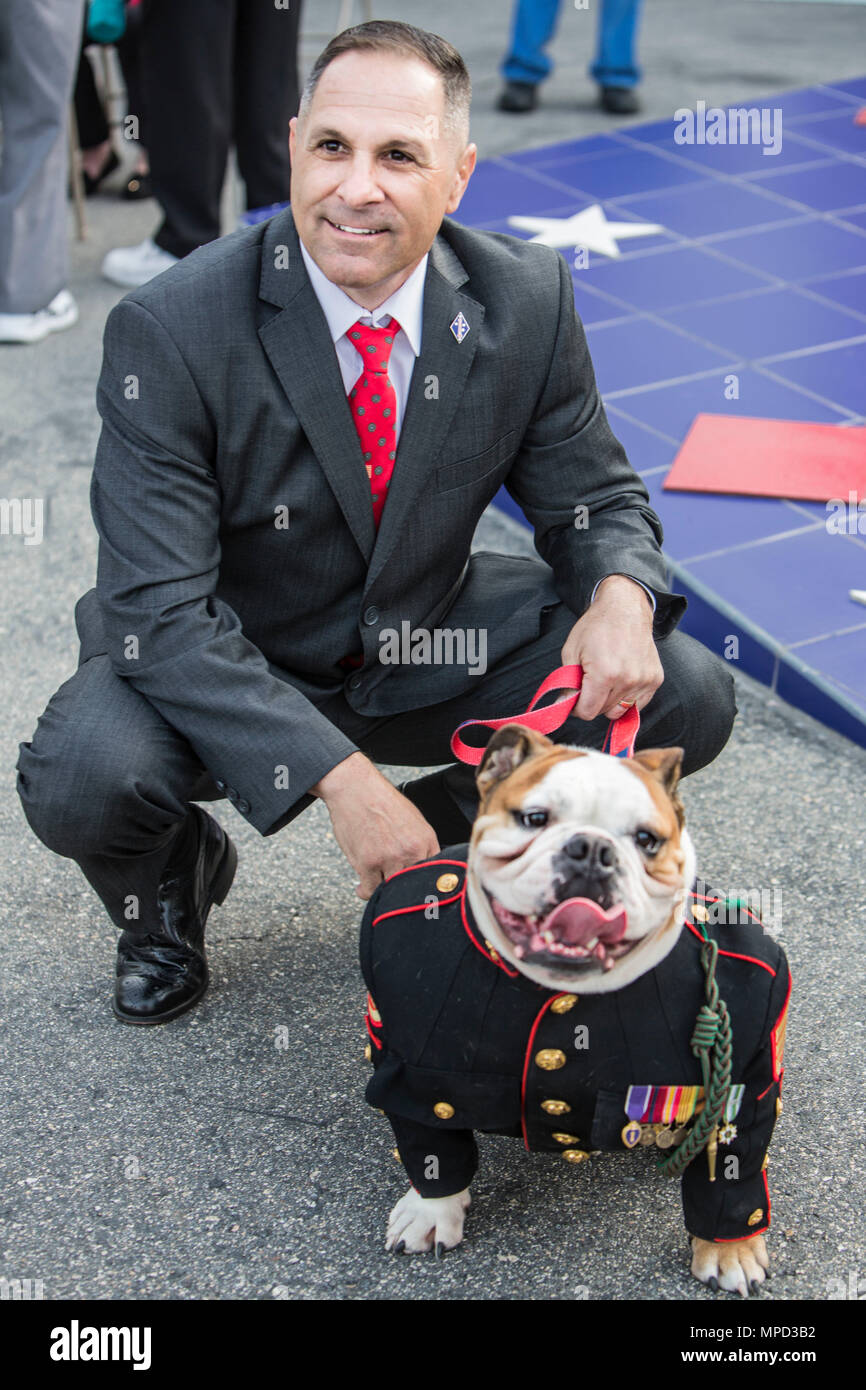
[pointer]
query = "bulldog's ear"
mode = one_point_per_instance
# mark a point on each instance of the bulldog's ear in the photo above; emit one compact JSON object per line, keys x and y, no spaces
{"x":666,"y":765}
{"x":508,"y":748}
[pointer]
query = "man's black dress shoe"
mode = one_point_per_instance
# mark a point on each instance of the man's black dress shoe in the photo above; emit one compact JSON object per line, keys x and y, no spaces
{"x":162,"y":973}
{"x":619,"y":101}
{"x":518,"y":97}
{"x":438,"y":807}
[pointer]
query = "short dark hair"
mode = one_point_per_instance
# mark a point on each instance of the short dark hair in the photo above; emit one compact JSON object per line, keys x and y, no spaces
{"x":393,"y":36}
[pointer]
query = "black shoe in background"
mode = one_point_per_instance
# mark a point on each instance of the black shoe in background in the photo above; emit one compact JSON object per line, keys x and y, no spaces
{"x":438,"y":807}
{"x":162,"y":973}
{"x":518,"y":97}
{"x":619,"y":101}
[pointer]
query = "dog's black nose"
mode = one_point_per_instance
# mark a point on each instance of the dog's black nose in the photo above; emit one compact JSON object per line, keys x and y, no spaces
{"x":593,"y":858}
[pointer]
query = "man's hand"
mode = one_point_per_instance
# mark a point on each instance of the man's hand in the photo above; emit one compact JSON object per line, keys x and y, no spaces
{"x":377,"y":828}
{"x":613,"y":643}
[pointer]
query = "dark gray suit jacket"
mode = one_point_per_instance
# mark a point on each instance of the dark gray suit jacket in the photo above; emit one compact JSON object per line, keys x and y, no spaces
{"x":222,"y":403}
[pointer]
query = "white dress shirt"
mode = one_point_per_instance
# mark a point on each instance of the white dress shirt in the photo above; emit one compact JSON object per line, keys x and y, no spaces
{"x":405,"y":305}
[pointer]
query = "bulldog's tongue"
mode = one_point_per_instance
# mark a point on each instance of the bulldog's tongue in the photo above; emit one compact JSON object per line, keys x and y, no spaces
{"x":580,"y":920}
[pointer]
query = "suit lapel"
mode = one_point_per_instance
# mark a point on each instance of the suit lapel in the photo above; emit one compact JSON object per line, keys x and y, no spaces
{"x":299,"y":348}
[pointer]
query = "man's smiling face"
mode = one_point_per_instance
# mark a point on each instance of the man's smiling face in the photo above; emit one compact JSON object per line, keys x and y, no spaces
{"x":375,"y":168}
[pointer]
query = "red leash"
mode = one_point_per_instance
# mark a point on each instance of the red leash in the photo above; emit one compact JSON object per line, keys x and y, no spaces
{"x":621,"y":732}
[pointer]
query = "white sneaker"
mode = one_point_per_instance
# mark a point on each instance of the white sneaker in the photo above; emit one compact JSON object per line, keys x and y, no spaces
{"x":135,"y":265}
{"x":62,"y":312}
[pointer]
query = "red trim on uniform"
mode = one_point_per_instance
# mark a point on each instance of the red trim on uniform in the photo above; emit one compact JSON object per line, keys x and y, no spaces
{"x":777,"y":1070}
{"x":768,"y":1088}
{"x":500,"y":963}
{"x":373,"y":1037}
{"x":424,"y":864}
{"x":370,"y":1004}
{"x":702,"y":897}
{"x":734,"y":955}
{"x":532,"y":1033}
{"x":416,"y":907}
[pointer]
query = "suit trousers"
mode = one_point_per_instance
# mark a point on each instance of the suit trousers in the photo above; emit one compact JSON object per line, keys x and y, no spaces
{"x":107,"y":782}
{"x":216,"y":72}
{"x":39,"y":47}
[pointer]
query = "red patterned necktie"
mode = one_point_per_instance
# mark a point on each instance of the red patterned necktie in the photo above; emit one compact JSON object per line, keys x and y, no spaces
{"x":373,"y":403}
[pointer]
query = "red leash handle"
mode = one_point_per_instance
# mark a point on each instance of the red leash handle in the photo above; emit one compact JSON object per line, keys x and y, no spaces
{"x":621,"y":732}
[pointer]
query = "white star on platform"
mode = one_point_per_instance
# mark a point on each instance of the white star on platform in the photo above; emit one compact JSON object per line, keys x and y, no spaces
{"x":589,"y":228}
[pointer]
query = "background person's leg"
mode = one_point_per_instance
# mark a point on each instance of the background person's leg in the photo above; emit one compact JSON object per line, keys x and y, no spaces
{"x":266,"y":98}
{"x":186,"y":51}
{"x":39,"y":47}
{"x":615,"y":64}
{"x":533,"y":25}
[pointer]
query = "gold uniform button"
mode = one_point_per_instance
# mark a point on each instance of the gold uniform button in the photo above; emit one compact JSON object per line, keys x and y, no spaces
{"x":446,"y":883}
{"x":565,"y":1138}
{"x":766,"y":1162}
{"x":368,"y":1053}
{"x":563,"y":1004}
{"x":550,"y":1059}
{"x":779,"y":1106}
{"x":700,"y":913}
{"x":443,"y":1110}
{"x":375,"y":1016}
{"x":574,"y":1155}
{"x":556,"y":1107}
{"x":756,"y":1216}
{"x":395,"y":1153}
{"x":492,"y":952}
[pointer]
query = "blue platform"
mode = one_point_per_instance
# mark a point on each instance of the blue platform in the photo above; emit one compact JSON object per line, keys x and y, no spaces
{"x":760,"y":272}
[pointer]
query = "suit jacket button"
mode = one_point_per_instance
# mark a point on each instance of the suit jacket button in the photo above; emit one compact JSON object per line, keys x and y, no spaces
{"x":243,"y":805}
{"x":355,"y":681}
{"x":442,"y":1110}
{"x":574,"y":1155}
{"x":550,"y":1059}
{"x":371,"y":616}
{"x":220,"y":786}
{"x":563,"y":1003}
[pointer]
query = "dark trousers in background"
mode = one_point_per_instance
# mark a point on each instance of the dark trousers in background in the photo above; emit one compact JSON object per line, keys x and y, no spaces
{"x":216,"y":73}
{"x":106,"y":781}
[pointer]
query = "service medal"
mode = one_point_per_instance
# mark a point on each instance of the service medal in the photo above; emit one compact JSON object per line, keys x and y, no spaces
{"x":631,"y":1134}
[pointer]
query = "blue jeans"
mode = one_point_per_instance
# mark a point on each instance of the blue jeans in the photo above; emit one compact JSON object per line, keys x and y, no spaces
{"x":534,"y":25}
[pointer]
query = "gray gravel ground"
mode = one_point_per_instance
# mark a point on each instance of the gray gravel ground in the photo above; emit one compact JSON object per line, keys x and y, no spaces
{"x":201,"y":1159}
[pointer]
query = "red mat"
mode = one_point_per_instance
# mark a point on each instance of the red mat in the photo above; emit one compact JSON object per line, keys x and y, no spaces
{"x":770,"y":458}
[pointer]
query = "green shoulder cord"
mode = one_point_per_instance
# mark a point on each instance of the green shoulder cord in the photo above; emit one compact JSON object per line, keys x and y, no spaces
{"x":711,"y":1041}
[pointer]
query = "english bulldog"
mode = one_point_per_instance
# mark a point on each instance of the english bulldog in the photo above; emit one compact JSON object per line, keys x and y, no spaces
{"x":545,"y":982}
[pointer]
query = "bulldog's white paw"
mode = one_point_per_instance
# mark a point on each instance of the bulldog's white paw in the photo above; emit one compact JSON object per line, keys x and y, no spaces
{"x":418,"y":1223}
{"x":737,"y":1265}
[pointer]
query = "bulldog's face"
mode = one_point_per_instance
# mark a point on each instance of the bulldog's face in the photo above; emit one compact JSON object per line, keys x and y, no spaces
{"x":579,"y":862}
